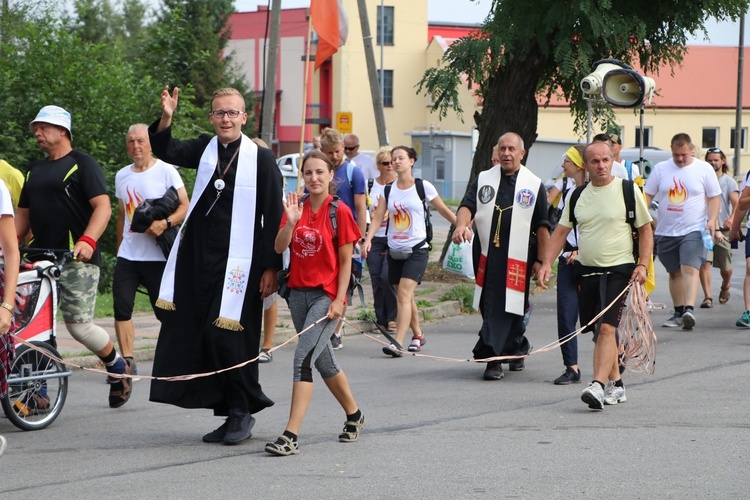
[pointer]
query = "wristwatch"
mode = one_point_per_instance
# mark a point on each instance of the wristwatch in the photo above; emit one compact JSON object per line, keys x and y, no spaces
{"x":169,"y":223}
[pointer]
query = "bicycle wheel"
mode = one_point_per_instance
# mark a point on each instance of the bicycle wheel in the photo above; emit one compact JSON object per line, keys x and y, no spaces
{"x":37,"y":387}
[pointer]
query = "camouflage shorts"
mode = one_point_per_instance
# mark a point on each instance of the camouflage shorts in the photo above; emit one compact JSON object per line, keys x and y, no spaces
{"x":78,"y":285}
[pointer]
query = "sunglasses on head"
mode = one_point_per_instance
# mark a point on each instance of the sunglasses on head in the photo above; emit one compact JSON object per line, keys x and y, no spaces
{"x":350,"y":148}
{"x":714,"y":150}
{"x":385,"y":163}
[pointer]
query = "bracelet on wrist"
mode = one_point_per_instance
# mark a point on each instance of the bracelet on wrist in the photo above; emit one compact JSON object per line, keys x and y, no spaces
{"x":339,"y":301}
{"x":7,"y":307}
{"x":89,"y":241}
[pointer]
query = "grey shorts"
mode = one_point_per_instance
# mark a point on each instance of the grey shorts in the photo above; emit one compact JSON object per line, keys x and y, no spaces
{"x":78,"y":285}
{"x":676,"y":251}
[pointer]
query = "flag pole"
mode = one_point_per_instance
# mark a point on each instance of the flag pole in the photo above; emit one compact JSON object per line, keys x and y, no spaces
{"x":304,"y":101}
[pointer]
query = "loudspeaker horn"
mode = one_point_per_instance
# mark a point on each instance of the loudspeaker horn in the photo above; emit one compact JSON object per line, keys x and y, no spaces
{"x":592,"y":84}
{"x":626,"y":88}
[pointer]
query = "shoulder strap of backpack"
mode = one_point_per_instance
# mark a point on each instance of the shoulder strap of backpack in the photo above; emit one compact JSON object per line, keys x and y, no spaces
{"x":369,"y":184}
{"x":572,"y":204}
{"x":422,"y":196}
{"x":386,"y":192}
{"x":332,"y":208}
{"x":629,"y":195}
{"x":349,"y":174}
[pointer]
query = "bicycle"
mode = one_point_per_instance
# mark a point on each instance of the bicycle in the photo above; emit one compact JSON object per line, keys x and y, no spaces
{"x":37,"y":383}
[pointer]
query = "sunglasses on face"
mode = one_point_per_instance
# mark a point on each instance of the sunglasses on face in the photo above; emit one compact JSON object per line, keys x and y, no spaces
{"x":385,"y":163}
{"x":350,"y":148}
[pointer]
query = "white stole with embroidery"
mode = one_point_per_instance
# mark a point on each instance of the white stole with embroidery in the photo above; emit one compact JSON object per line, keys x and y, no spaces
{"x":241,"y":236}
{"x":524,"y":200}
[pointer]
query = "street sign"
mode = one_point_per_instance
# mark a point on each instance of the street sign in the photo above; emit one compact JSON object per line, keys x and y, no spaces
{"x":344,"y":122}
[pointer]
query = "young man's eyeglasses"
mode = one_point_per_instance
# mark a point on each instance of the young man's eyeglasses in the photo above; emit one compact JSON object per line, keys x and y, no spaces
{"x":219,"y":113}
{"x":385,"y":163}
{"x":350,"y":148}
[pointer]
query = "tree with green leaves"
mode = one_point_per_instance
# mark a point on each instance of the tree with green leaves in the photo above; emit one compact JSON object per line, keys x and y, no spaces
{"x":531,"y":48}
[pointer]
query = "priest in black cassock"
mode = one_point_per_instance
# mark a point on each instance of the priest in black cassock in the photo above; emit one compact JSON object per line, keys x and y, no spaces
{"x":220,"y":268}
{"x":508,"y":204}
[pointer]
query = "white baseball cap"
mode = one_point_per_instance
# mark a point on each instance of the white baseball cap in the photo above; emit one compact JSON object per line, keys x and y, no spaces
{"x":54,"y":115}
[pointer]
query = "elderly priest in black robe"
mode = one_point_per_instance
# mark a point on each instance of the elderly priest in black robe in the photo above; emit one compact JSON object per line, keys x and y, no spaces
{"x":508,"y":204}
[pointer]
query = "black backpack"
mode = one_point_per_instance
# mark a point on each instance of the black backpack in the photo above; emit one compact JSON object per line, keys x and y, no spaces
{"x":422,"y":196}
{"x":628,"y":194}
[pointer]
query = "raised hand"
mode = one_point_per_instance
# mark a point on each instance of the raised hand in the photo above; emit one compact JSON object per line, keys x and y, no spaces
{"x":169,"y":102}
{"x":292,"y":208}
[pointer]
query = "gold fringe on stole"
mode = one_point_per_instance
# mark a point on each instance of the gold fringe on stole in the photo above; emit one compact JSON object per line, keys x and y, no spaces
{"x":166,"y":305}
{"x":229,"y":324}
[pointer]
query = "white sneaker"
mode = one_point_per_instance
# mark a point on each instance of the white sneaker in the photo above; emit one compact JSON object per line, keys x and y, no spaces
{"x":593,"y":395}
{"x":674,"y":322}
{"x":688,"y":320}
{"x":614,"y":394}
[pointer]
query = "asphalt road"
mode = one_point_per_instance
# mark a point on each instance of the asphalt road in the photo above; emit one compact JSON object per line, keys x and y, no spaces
{"x":433,"y":429}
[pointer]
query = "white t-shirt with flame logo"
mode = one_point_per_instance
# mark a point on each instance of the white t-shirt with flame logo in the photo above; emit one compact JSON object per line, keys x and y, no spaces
{"x":681,"y":193}
{"x":407,"y":226}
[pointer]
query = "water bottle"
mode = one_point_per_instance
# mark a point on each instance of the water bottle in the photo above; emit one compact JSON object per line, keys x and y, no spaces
{"x":708,"y":239}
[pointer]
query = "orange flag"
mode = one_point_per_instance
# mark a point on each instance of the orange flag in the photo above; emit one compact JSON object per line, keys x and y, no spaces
{"x":330,"y":23}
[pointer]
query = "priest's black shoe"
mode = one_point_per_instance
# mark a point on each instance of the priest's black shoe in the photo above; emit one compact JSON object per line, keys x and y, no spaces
{"x":517,"y":365}
{"x":239,"y":426}
{"x":494,"y":371}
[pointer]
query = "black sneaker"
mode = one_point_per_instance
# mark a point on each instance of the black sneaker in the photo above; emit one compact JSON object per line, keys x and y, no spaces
{"x":569,"y":377}
{"x":336,"y":342}
{"x":217,"y":435}
{"x":239,"y":426}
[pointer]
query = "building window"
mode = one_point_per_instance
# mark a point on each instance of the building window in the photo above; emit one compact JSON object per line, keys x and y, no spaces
{"x":710,"y":137}
{"x":385,"y":26}
{"x":743,"y":139}
{"x":646,"y":137}
{"x":439,"y":169}
{"x":387,"y":76}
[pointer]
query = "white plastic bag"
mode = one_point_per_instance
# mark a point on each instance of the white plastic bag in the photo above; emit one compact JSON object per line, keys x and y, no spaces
{"x":459,"y":259}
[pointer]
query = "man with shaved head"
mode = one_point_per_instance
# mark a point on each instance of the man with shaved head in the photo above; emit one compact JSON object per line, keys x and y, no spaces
{"x":364,"y":162}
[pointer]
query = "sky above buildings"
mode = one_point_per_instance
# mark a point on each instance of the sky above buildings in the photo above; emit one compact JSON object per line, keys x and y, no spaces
{"x":466,"y":11}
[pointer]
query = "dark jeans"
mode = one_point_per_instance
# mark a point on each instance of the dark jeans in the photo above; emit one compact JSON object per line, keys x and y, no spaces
{"x":384,"y":296}
{"x":567,"y":311}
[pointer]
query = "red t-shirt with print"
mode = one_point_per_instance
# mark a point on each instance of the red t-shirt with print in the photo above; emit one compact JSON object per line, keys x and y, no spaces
{"x":314,"y":260}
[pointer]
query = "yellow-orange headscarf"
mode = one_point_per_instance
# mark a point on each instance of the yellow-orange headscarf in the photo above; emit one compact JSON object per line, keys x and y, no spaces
{"x":575,"y":157}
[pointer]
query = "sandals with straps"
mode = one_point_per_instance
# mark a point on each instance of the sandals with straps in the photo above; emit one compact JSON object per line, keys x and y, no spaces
{"x":351,"y":430}
{"x":724,"y":295}
{"x":708,"y":303}
{"x":283,"y":447}
{"x":417,"y":342}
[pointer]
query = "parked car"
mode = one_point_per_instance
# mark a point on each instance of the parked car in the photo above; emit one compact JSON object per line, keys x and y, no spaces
{"x":651,"y":156}
{"x":289,"y":167}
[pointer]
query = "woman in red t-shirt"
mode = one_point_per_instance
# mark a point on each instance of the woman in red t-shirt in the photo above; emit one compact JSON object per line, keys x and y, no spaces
{"x":319,"y":271}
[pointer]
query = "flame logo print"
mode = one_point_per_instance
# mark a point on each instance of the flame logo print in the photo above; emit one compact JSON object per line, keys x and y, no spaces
{"x":678,"y":194}
{"x":133,"y":201}
{"x":401,"y":219}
